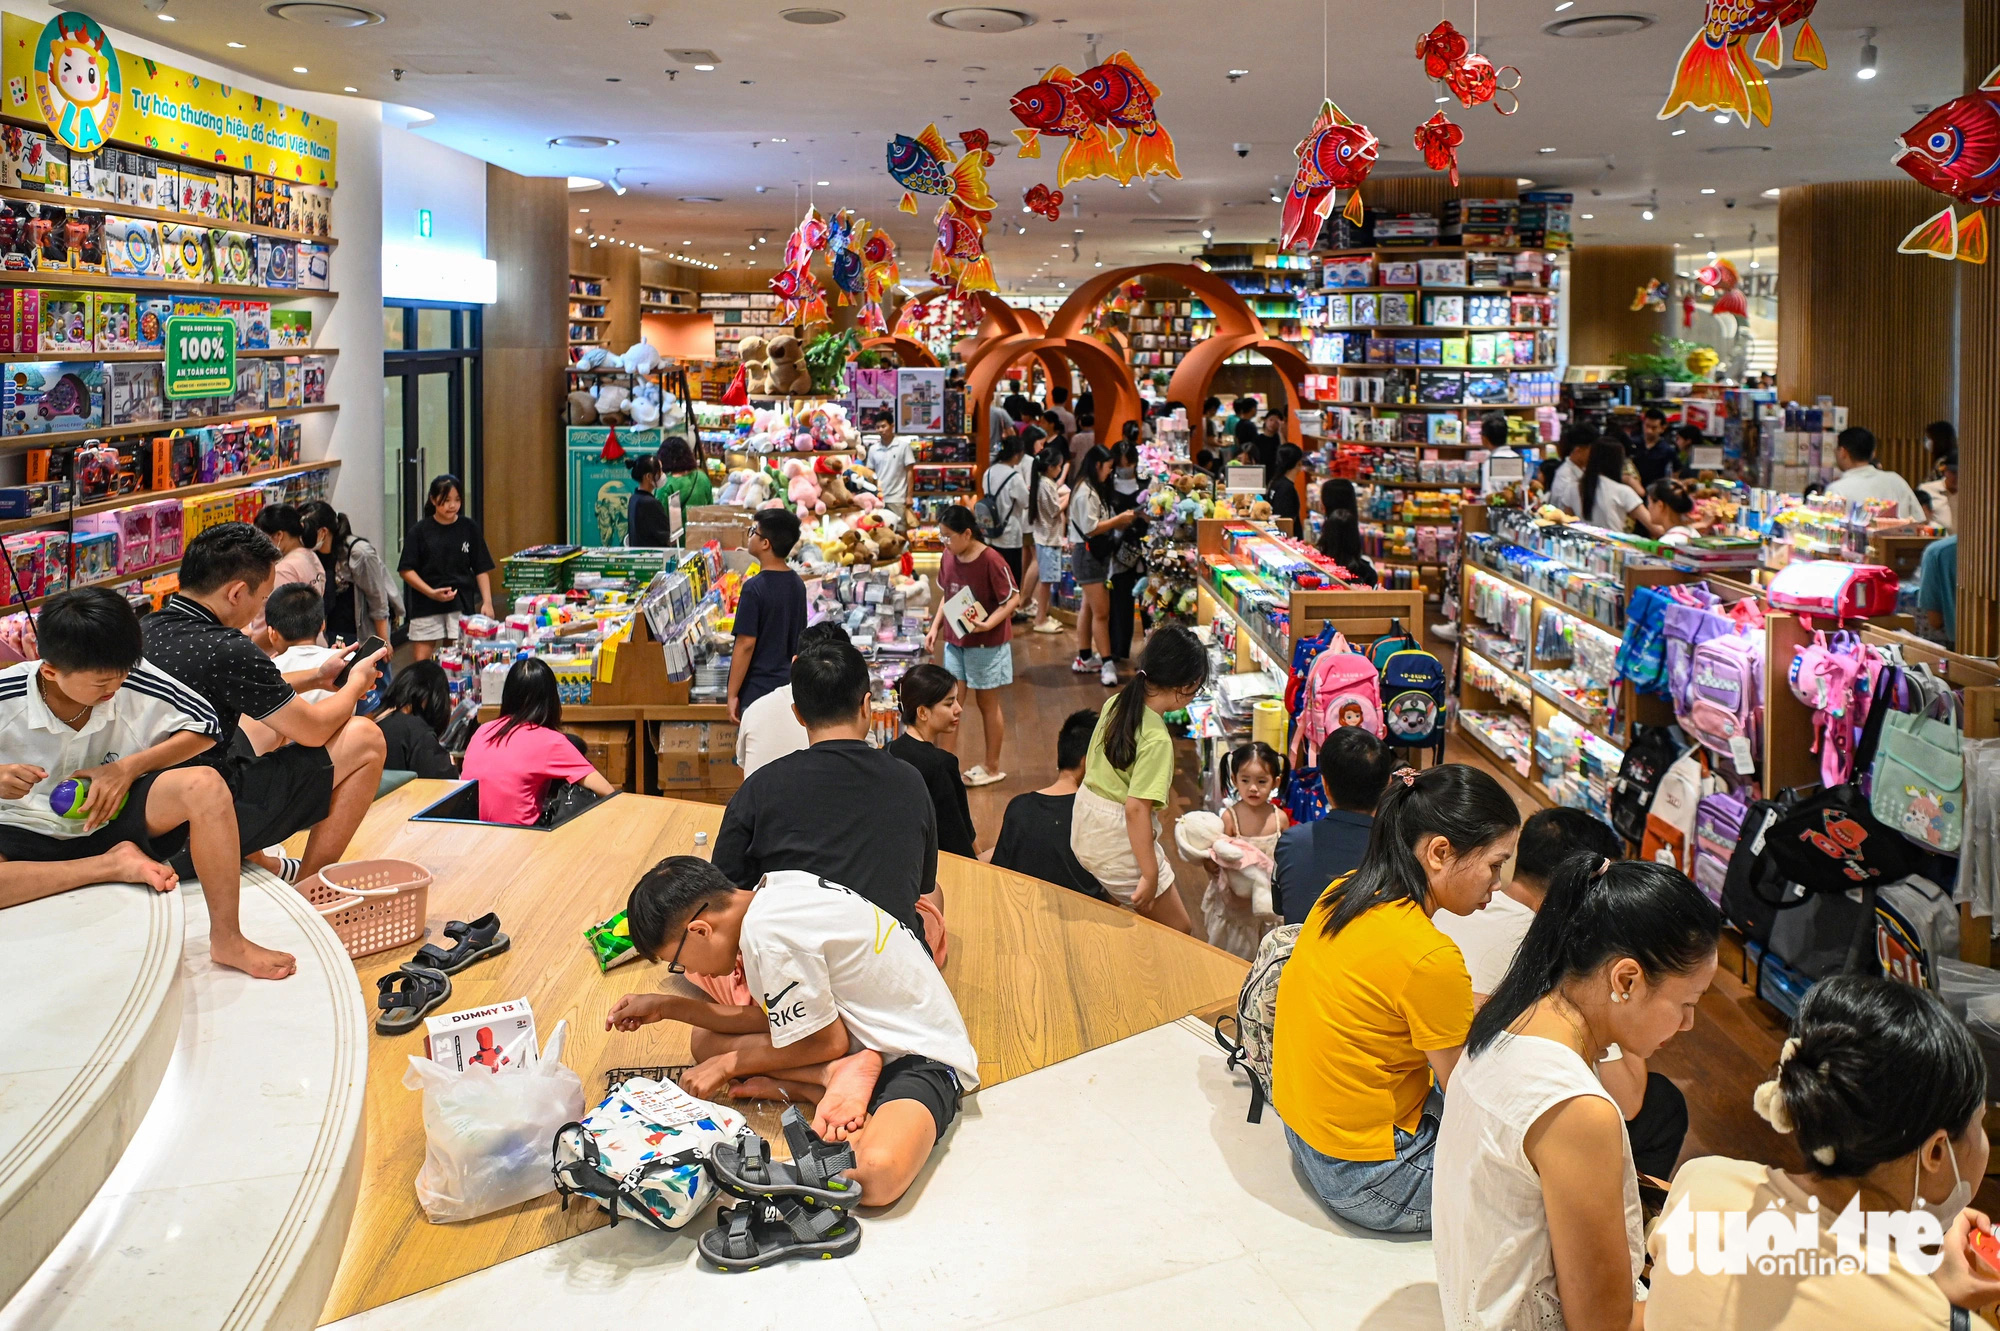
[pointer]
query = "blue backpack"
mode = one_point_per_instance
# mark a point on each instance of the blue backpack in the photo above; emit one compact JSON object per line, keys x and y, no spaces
{"x":1397,"y":639}
{"x":1642,"y":652}
{"x":1413,"y":700}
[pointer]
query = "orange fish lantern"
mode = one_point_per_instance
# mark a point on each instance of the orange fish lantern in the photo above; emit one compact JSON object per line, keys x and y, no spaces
{"x":1441,"y":49}
{"x":1061,"y":107}
{"x":978,"y":141}
{"x":1041,"y":199}
{"x":1955,"y":150}
{"x":1716,"y":73}
{"x":1131,"y":101}
{"x":879,"y":271}
{"x":958,"y":259}
{"x":1336,"y":154}
{"x":1438,"y":140}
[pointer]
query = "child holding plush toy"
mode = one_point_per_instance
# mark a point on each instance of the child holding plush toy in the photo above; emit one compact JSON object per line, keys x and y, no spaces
{"x":1237,"y":918}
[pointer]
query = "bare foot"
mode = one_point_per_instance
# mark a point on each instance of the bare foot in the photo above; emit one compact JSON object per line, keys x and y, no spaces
{"x":258,"y":962}
{"x":850,"y":1082}
{"x":267,"y":862}
{"x":127,"y":863}
{"x":772,"y":1088}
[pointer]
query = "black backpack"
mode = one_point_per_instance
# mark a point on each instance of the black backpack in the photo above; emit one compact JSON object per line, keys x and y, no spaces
{"x":1653,"y":750}
{"x":1753,"y":891}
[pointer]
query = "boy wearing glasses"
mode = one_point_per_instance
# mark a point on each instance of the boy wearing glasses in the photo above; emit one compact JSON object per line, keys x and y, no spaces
{"x":849,"y":1007}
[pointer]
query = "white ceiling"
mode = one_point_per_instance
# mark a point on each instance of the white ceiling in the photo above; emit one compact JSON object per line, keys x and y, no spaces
{"x":502,"y":76}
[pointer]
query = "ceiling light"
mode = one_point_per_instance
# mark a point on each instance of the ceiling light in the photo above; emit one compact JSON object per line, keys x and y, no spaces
{"x":780,"y":140}
{"x":1708,"y":191}
{"x":583,"y":184}
{"x":1755,"y":264}
{"x":582,"y":141}
{"x":579,"y":231}
{"x":706,"y":69}
{"x":1564,"y":5}
{"x":583,"y":210}
{"x":235,"y":46}
{"x":1238,"y":73}
{"x":1721,"y":118}
{"x":1772,"y":192}
{"x":1868,"y":53}
{"x":1440,"y":100}
{"x":350,"y":90}
{"x":1701,"y":235}
{"x":823,"y":183}
{"x":753,"y":263}
{"x":1545,"y":150}
{"x":1677,"y":133}
{"x":1206,"y":234}
{"x":1646,"y":214}
{"x":812,"y":18}
{"x":300,"y":69}
{"x":725,"y":254}
{"x":1588,"y":217}
{"x":1711,"y":254}
{"x":164,"y":18}
{"x":687,"y":242}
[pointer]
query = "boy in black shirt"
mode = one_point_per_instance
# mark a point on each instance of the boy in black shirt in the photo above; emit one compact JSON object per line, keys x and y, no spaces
{"x":1034,"y":834}
{"x":770,"y":614}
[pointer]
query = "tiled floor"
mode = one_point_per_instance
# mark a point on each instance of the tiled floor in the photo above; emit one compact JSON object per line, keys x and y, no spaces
{"x":1119,"y":1189}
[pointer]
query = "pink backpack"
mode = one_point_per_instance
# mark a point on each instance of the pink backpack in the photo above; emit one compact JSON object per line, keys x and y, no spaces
{"x":1725,"y":692}
{"x":1818,"y":589}
{"x":1341,"y":689}
{"x":1834,"y":679}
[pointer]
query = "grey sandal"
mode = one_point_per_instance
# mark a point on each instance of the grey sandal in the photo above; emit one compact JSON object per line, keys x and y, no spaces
{"x":754,"y":1234}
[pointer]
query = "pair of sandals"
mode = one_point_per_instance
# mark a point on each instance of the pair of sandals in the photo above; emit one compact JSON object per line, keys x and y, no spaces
{"x":789,"y":1209}
{"x":420,"y":985}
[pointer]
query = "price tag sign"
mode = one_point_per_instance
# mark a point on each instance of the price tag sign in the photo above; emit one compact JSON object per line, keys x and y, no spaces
{"x":201,"y":356}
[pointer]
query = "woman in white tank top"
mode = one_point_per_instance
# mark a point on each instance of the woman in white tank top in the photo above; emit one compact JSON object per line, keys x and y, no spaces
{"x":1535,"y":1212}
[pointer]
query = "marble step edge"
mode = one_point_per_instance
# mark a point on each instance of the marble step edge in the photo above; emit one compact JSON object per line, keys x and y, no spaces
{"x":49,"y":1175}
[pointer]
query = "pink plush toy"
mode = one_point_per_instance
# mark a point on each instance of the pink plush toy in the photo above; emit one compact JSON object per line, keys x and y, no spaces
{"x":803,"y":487}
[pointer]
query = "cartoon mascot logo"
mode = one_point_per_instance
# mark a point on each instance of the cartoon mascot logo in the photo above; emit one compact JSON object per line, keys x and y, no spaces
{"x":77,"y":82}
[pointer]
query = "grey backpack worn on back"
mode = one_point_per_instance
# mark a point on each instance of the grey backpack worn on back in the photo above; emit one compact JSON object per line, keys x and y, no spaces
{"x":1257,"y":1015}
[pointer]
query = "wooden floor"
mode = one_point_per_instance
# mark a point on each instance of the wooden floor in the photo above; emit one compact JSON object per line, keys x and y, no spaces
{"x":1041,"y":973}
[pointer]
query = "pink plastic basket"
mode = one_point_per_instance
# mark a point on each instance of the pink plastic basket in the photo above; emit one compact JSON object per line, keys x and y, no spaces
{"x":373,"y":905}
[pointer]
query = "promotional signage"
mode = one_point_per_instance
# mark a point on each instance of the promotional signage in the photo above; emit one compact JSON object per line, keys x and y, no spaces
{"x":67,"y":75}
{"x":201,"y":356}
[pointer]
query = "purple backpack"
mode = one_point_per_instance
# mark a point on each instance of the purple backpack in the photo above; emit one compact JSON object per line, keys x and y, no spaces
{"x":1687,"y":627}
{"x":1718,"y":822}
{"x":1725,"y":692}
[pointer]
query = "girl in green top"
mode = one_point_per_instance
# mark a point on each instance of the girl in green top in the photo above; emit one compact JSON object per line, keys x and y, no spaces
{"x":684,"y":477}
{"x":1115,"y":828}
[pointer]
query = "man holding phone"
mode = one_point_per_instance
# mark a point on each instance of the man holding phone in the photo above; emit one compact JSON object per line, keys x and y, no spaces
{"x":326,"y":777}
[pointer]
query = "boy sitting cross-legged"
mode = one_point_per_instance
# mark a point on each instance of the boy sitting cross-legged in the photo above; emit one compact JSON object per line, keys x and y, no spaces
{"x":91,"y":709}
{"x":850,"y":1003}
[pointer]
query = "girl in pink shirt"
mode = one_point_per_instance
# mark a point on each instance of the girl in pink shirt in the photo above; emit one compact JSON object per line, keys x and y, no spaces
{"x":515,"y":756}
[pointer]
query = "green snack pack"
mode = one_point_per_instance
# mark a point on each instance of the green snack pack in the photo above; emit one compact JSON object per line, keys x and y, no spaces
{"x":610,"y":942}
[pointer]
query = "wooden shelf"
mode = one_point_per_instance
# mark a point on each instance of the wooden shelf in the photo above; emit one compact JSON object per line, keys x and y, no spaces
{"x":1436,"y":328}
{"x":154,"y":496}
{"x":28,"y":443}
{"x":106,"y":282}
{"x":117,"y":209}
{"x":156,"y":357}
{"x":1434,"y":406}
{"x":586,"y":277}
{"x":137,"y":574}
{"x":667,"y":308}
{"x":1425,"y":286}
{"x":590,"y":318}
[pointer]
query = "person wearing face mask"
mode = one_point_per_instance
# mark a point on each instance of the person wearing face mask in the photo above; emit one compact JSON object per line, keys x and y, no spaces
{"x":1375,"y":1003}
{"x":1885,"y":1091}
{"x":1537,"y":1219}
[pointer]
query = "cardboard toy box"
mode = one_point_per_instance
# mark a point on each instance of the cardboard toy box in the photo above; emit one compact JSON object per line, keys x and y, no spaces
{"x":117,"y":321}
{"x":66,"y":318}
{"x":291,"y":328}
{"x":499,"y":1037}
{"x":45,"y":397}
{"x":188,"y":254}
{"x":235,"y":258}
{"x":137,"y":394}
{"x":151,"y":326}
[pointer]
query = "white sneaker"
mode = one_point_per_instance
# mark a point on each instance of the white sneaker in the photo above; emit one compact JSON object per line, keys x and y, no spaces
{"x":1049,"y":626}
{"x":1083,"y":665}
{"x":1108,"y":676}
{"x":979,"y":776}
{"x":1445,"y":632}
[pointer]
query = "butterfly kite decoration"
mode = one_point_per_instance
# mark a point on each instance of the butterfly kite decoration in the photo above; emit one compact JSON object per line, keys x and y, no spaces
{"x":1041,"y":199}
{"x":1716,"y":73}
{"x":1955,"y":150}
{"x":1336,"y":154}
{"x":1110,"y":115}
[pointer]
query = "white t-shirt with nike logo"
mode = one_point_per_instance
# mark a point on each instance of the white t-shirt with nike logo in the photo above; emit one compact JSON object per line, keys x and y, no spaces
{"x":813,"y":951}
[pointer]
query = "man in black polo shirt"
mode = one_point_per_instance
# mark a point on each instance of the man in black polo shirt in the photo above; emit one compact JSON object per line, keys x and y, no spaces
{"x":841,"y":808}
{"x":327,"y":776}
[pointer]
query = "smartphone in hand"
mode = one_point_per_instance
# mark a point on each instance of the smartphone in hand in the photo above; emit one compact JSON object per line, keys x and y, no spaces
{"x":370,"y":645}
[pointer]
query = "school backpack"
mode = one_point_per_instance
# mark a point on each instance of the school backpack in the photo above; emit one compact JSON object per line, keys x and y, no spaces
{"x":1916,"y":924}
{"x":1652,"y":751}
{"x":1753,"y":890}
{"x":1687,"y":627}
{"x":1725,"y":698}
{"x":1304,"y":653}
{"x":1641,"y":658}
{"x":1833,"y":678}
{"x":1670,"y":821}
{"x":1341,"y":689}
{"x":1397,"y":639}
{"x":1718,"y":821}
{"x":1828,"y":589}
{"x":1257,"y":1015}
{"x":1413,"y":707}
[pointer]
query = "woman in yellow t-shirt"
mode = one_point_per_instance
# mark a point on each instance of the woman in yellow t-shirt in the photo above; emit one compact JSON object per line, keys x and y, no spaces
{"x":1115,"y":826}
{"x":1375,"y":1000}
{"x":1886,"y":1092}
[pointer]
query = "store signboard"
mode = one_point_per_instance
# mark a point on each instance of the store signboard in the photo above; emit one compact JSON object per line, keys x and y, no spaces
{"x":1705,"y":457}
{"x":201,"y":356}
{"x":1246,"y":480}
{"x":165,"y":109}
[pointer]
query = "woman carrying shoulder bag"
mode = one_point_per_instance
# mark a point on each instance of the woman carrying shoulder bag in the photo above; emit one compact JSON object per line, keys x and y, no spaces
{"x":1094,"y":524}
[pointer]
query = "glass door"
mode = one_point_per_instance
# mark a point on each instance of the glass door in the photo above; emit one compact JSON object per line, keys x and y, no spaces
{"x":430,"y":412}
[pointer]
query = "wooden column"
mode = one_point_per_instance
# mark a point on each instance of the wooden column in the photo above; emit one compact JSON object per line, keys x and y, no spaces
{"x":1978,"y":504}
{"x":1602,"y":280}
{"x":620,"y":266}
{"x":527,"y":347}
{"x":1860,"y":323}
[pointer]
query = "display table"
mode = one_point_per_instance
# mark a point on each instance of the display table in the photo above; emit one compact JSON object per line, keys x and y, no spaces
{"x":637,"y":770}
{"x":1041,"y":973}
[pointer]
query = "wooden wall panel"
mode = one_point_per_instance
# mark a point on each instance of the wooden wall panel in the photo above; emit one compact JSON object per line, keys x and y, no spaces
{"x":527,"y":336}
{"x":1978,"y":506}
{"x":1428,"y":193}
{"x":1860,"y":323}
{"x":620,"y":266}
{"x":1602,"y":280}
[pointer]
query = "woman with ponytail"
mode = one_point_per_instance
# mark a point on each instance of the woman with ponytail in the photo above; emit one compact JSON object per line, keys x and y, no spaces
{"x":1537,"y":1219}
{"x":1885,"y":1091}
{"x":1375,"y":1002}
{"x":1115,"y":828}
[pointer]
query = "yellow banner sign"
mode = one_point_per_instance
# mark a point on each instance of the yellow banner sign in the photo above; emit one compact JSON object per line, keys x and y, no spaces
{"x":171,"y":110}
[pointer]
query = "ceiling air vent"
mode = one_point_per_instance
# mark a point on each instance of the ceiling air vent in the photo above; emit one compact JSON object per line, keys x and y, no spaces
{"x":980,"y":18}
{"x":1600,"y":25}
{"x":812,"y":18}
{"x":322,"y":15}
{"x":693,"y":56}
{"x":1738,"y":148}
{"x":581,"y":141}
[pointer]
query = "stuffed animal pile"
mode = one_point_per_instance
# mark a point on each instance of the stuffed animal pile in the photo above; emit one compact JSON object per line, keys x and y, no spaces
{"x":639,"y":404}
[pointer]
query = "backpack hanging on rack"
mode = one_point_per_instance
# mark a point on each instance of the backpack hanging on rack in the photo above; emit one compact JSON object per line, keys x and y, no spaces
{"x":1917,"y":785}
{"x":1397,"y":639}
{"x":1413,"y":701}
{"x":1341,"y":689}
{"x":1670,"y":820}
{"x":1652,"y":751}
{"x":1641,"y":659}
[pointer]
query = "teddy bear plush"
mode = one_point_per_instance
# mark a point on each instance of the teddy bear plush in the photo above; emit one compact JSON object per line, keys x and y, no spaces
{"x":826,"y":470}
{"x":582,"y":408}
{"x":611,"y":403}
{"x":802,"y":487}
{"x":789,"y":372}
{"x":755,"y":355}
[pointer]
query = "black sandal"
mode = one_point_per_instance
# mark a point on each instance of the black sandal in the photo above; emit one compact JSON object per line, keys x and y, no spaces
{"x":816,"y":1172}
{"x":754,"y":1234}
{"x":470,"y":942}
{"x":407,"y":995}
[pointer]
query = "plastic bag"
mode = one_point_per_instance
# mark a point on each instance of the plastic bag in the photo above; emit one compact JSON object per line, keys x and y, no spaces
{"x":486,"y":1135}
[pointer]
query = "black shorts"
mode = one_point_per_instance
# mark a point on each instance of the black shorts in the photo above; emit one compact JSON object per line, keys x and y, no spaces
{"x":18,"y":843}
{"x":930,"y":1083}
{"x":1013,"y":557}
{"x":287,"y":790}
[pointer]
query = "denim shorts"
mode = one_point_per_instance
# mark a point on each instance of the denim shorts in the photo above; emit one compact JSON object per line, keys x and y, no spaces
{"x":981,"y":667}
{"x":1087,"y":567}
{"x":1388,"y":1196}
{"x":1049,"y":563}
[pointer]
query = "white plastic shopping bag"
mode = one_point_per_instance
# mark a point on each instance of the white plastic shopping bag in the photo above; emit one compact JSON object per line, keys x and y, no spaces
{"x":486,"y":1137}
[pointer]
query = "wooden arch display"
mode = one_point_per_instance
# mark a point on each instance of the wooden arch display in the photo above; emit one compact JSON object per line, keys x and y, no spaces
{"x":906,"y":349}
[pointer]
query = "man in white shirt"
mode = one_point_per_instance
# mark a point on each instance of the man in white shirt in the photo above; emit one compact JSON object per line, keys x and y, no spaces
{"x":91,"y":712}
{"x":770,"y":727}
{"x":1059,"y":404}
{"x":831,"y":973}
{"x":1565,"y":487}
{"x":890,"y":458}
{"x":1655,"y":1111}
{"x":1860,"y":478}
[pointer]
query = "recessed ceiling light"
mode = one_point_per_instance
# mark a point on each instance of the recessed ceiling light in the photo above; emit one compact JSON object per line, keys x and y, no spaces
{"x":1721,"y":118}
{"x":1238,"y":73}
{"x":1707,"y":191}
{"x":1646,"y":214}
{"x":781,"y":140}
{"x":706,"y":69}
{"x":687,"y":242}
{"x":583,"y":210}
{"x":582,"y":141}
{"x":236,"y":46}
{"x":1545,"y":150}
{"x":350,"y":90}
{"x":752,"y":263}
{"x":579,"y":231}
{"x":1701,"y":235}
{"x":1677,"y":133}
{"x":1564,"y":5}
{"x":165,"y":18}
{"x":300,"y":69}
{"x":812,"y":18}
{"x":725,"y":254}
{"x":1440,"y":100}
{"x":1588,"y":217}
{"x":1773,"y":192}
{"x":823,"y":183}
